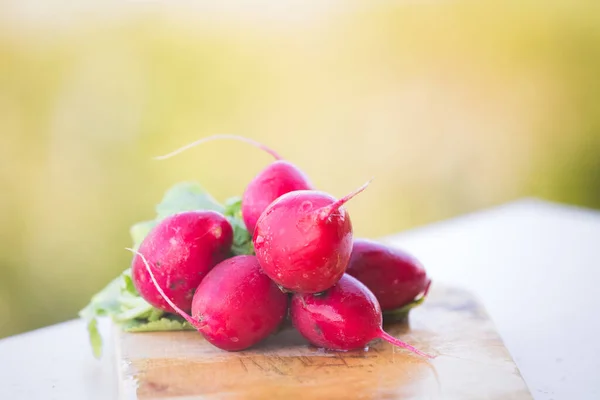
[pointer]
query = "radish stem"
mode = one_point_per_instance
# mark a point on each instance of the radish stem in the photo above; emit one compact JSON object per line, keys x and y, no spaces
{"x":220,"y":137}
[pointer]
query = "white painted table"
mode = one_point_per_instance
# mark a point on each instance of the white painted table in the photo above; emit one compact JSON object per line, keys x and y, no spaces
{"x":534,"y":265}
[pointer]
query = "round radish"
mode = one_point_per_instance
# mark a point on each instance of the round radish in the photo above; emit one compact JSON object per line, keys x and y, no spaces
{"x":236,"y":305}
{"x":277,"y":179}
{"x":394,"y":276}
{"x":303,"y":240}
{"x":181,"y":250}
{"x":345,"y":317}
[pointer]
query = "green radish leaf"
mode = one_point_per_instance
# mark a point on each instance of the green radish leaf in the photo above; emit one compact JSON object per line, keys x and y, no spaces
{"x":102,"y":304}
{"x":155,"y":314}
{"x":400,"y":314}
{"x":128,"y":283}
{"x":186,"y":196}
{"x":167,"y":323}
{"x":139,"y":231}
{"x":242,"y":240}
{"x":233,"y":207}
{"x":133,"y":311}
{"x":95,"y":337}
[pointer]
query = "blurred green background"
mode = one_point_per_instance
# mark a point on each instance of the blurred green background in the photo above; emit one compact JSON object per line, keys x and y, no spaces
{"x":451,"y":106}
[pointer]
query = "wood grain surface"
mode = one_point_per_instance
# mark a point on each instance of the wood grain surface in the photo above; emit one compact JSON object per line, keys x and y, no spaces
{"x":471,"y":362}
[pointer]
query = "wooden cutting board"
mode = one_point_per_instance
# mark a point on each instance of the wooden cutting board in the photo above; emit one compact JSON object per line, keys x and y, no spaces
{"x":472,"y":362}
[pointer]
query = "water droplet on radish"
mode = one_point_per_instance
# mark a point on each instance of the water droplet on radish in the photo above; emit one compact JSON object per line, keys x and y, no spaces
{"x":217,"y":232}
{"x":306,"y":206}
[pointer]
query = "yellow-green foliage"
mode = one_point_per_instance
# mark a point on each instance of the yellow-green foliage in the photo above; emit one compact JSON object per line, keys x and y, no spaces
{"x":452,"y":106}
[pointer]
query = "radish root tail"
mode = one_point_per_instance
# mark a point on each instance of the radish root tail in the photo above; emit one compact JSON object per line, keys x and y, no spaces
{"x":220,"y":137}
{"x":183,"y":314}
{"x":330,"y":209}
{"x":426,"y":291}
{"x":397,"y":342}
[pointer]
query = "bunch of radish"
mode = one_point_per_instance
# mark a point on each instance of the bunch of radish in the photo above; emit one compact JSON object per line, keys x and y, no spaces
{"x":307,"y":265}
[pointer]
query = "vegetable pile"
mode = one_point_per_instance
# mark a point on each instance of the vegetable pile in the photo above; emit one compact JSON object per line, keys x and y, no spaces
{"x":235,"y":271}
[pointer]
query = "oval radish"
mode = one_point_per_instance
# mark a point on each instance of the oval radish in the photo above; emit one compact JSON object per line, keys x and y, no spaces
{"x":181,"y":250}
{"x":395,"y":277}
{"x":345,"y":317}
{"x":277,"y":179}
{"x":237,"y":305}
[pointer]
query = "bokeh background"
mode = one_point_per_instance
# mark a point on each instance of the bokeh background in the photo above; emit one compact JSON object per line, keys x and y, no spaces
{"x":452,"y":106}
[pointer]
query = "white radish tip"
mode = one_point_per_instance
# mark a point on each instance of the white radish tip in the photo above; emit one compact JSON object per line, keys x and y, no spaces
{"x":220,"y":137}
{"x":427,"y":287}
{"x":179,"y":311}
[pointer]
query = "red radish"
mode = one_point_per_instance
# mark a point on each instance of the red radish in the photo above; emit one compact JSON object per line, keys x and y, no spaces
{"x":235,"y":306}
{"x":181,"y":250}
{"x":345,"y":317}
{"x":277,"y":179}
{"x":303,"y":240}
{"x":395,"y":277}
